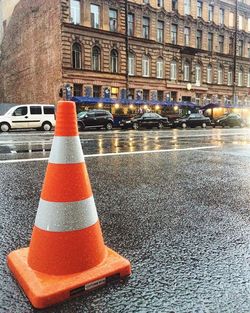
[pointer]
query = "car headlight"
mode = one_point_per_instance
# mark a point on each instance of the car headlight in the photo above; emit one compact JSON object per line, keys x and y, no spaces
{"x":128,"y":122}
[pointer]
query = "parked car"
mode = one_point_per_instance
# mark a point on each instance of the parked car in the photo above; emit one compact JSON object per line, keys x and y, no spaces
{"x":41,"y":117}
{"x":231,"y":120}
{"x":192,"y":120}
{"x":146,"y":120}
{"x":95,"y":119}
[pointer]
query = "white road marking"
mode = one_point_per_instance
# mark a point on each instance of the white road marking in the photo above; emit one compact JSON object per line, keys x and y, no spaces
{"x":116,"y":154}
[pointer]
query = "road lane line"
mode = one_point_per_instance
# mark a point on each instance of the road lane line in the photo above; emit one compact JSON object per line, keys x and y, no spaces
{"x":116,"y":154}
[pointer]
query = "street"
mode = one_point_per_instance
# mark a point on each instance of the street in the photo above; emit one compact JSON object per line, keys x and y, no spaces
{"x":175,"y":203}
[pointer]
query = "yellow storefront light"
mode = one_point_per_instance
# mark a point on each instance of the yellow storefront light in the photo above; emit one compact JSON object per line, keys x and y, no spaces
{"x":145,"y":107}
{"x":116,"y":105}
{"x":100,"y":105}
{"x":176,"y":107}
{"x":131,"y":106}
{"x":114,"y":90}
{"x":157,"y":107}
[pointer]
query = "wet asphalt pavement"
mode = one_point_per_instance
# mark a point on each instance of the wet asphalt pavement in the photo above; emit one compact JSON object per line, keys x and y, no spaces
{"x":180,"y":215}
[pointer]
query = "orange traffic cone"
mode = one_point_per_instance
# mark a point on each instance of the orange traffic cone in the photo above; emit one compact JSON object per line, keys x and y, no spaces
{"x":67,"y":255}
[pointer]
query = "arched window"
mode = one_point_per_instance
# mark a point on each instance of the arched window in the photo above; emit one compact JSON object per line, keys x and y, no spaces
{"x":159,"y":68}
{"x":173,"y":70}
{"x":76,"y":56}
{"x":145,"y":66}
{"x":186,"y":71}
{"x":220,"y":74}
{"x":240,"y":77}
{"x":96,"y":59}
{"x":209,"y":74}
{"x":131,"y":64}
{"x":198,"y":75}
{"x":230,"y":76}
{"x":114,"y":61}
{"x":248,"y":78}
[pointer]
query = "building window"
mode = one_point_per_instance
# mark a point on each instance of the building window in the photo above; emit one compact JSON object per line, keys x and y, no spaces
{"x":221,"y":44}
{"x":97,"y":91}
{"x":75,"y":12}
{"x":114,"y":92}
{"x":76,"y":56}
{"x":131,"y":93}
{"x":198,"y":75}
{"x":159,"y":68}
{"x":145,"y":27}
{"x":160,"y":3}
{"x":186,"y":7}
{"x":131,"y":64}
{"x":131,"y":24}
{"x":114,"y":61}
{"x":231,"y":19}
{"x":210,"y":42}
{"x":145,"y":66}
{"x":160,"y":95}
{"x":174,"y":34}
{"x":96,"y":59}
{"x":240,"y":22}
{"x":210,"y":13}
{"x":186,"y":71}
{"x":240,"y":48}
{"x":77,"y":90}
{"x":199,"y":9}
{"x":220,"y":74}
{"x":173,"y":70}
{"x":95,"y":15}
{"x":186,"y":36}
{"x":145,"y":94}
{"x":112,"y":20}
{"x":248,"y":78}
{"x":209,"y":74}
{"x":240,"y":77}
{"x":221,"y":16}
{"x":231,"y":46}
{"x":230,"y":77}
{"x":160,"y":31}
{"x":248,"y":50}
{"x":198,"y":39}
{"x":146,"y":1}
{"x":174,"y":5}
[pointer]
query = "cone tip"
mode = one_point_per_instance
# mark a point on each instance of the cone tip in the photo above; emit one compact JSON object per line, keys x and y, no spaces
{"x":66,"y":119}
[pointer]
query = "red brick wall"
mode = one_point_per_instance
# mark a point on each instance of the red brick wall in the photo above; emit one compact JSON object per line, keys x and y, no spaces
{"x":30,"y":61}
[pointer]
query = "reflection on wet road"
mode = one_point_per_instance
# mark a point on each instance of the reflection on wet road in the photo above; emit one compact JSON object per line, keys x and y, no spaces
{"x":174,"y":202}
{"x":30,"y":145}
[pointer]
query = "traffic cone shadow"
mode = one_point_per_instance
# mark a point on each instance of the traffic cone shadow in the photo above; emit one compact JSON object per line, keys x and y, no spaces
{"x":67,"y":256}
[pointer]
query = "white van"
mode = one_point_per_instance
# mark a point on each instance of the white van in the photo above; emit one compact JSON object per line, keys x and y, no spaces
{"x":39,"y":116}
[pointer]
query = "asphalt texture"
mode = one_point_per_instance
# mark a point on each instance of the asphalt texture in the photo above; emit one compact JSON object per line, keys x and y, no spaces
{"x":181,"y":216}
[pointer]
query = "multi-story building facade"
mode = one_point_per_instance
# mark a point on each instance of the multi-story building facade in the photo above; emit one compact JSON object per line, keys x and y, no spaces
{"x":181,"y":50}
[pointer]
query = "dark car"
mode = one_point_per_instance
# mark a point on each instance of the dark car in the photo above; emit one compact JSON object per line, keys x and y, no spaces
{"x":146,"y":120}
{"x":231,"y":120}
{"x":95,"y":119}
{"x":192,"y":120}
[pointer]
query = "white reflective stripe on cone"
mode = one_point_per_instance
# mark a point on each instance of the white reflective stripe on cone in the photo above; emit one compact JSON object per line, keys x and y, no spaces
{"x":66,"y":149}
{"x":66,"y":216}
